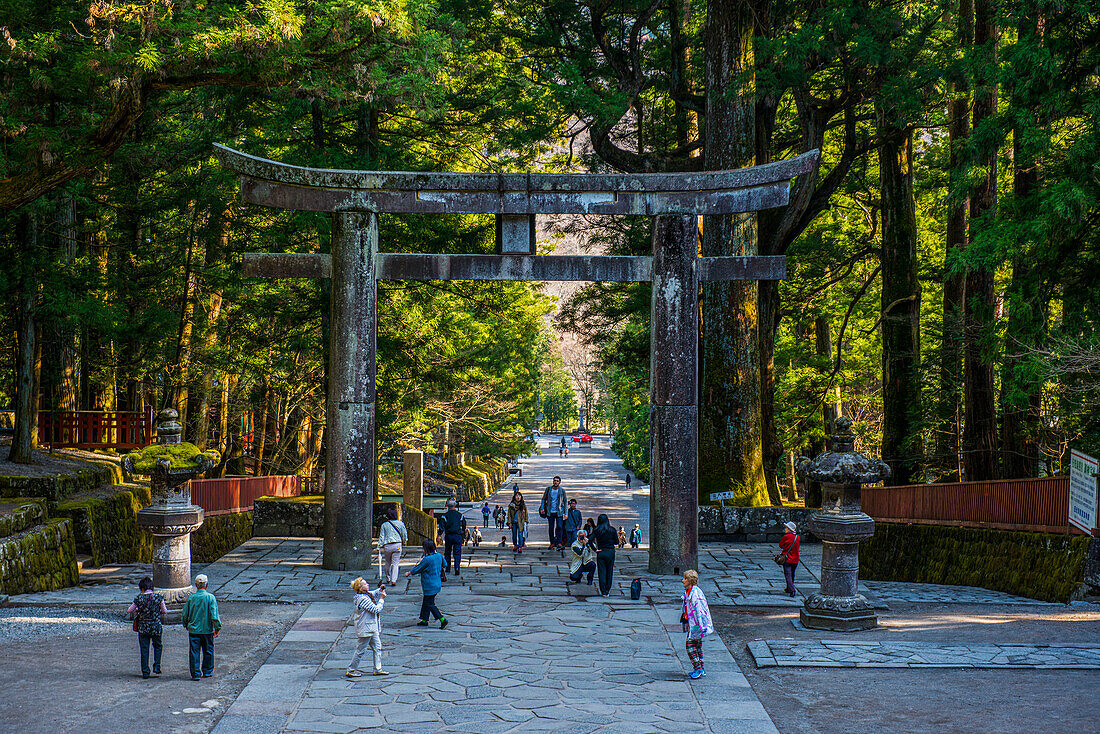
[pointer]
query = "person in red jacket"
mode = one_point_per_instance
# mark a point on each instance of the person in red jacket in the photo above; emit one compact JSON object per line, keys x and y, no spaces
{"x":788,"y":545}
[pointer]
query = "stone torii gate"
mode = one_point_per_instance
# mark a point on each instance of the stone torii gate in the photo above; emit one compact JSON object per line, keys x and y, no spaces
{"x":355,"y":198}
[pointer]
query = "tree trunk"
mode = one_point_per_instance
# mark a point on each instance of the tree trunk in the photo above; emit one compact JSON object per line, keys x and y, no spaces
{"x":902,"y":448}
{"x":28,"y":367}
{"x":980,"y":428}
{"x":949,"y":401}
{"x":830,"y":405}
{"x":216,"y":247}
{"x":730,"y":454}
{"x":186,"y":328}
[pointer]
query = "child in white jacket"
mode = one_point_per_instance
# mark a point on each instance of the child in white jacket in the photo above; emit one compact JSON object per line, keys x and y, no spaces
{"x":368,"y":626}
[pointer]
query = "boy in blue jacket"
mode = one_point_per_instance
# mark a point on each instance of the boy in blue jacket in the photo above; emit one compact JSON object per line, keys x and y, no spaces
{"x":430,"y":569}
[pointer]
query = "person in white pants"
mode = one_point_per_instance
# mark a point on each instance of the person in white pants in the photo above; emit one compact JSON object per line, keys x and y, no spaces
{"x":368,"y":626}
{"x":392,"y":537}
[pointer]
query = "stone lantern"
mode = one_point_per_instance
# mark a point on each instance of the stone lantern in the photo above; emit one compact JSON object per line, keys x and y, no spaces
{"x":170,"y":517}
{"x":841,"y":524}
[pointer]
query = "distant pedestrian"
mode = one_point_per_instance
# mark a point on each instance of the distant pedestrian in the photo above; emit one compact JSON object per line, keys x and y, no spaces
{"x":573,"y":520}
{"x":148,"y":611}
{"x":561,"y":452}
{"x":553,"y":508}
{"x":368,"y":626}
{"x":392,"y":537}
{"x":636,"y":536}
{"x":501,"y":517}
{"x":696,"y":621}
{"x":563,"y":442}
{"x":477,"y":537}
{"x":452,"y":526}
{"x":621,"y":538}
{"x":467,"y":536}
{"x":589,"y":527}
{"x":605,"y":538}
{"x":567,"y":452}
{"x":430,"y":569}
{"x":788,"y":547}
{"x":504,"y":541}
{"x":485,"y":512}
{"x":628,"y":481}
{"x":584,"y":559}
{"x":517,"y":520}
{"x":201,"y":620}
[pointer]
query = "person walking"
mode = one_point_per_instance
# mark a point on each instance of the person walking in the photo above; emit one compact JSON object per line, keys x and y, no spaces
{"x":430,"y":569}
{"x":621,"y":541}
{"x":584,"y":558}
{"x":368,"y":626}
{"x":788,"y":547}
{"x":201,"y":620}
{"x":392,"y":537}
{"x":553,"y":508}
{"x":517,"y":520}
{"x":628,"y":481}
{"x":605,"y":538}
{"x":636,"y":536}
{"x":477,"y":537}
{"x":452,"y":526}
{"x":485,"y":512}
{"x":573,"y":520}
{"x":148,"y":611}
{"x":696,"y":621}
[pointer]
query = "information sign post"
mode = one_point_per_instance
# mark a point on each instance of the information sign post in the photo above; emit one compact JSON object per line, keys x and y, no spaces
{"x":1083,"y":470}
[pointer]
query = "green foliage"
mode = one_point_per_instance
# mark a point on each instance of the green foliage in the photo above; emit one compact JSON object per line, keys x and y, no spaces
{"x":178,"y":455}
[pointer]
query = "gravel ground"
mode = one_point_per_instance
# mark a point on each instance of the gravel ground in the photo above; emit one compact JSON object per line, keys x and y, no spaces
{"x":28,"y":624}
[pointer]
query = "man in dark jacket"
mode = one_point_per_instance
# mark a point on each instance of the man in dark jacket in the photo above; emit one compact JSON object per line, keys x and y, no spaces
{"x":573,"y":522}
{"x":553,"y":508}
{"x":452,"y":526}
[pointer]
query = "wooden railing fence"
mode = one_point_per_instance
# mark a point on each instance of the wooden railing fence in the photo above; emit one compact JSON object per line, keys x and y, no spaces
{"x":95,"y":429}
{"x":237,"y":494}
{"x":1037,"y":505}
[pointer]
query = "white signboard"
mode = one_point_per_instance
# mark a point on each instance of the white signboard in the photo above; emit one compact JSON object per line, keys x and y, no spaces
{"x":715,"y":496}
{"x":1082,"y":490}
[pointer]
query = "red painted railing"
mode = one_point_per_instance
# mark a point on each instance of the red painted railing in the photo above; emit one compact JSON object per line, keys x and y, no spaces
{"x":1039,"y":505}
{"x":94,"y":429}
{"x":237,"y":494}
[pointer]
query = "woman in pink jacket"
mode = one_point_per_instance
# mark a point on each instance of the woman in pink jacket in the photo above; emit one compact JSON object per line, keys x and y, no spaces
{"x":696,"y":621}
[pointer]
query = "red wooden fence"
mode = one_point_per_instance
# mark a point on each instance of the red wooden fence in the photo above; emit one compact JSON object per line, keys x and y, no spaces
{"x":237,"y":494}
{"x":94,"y":429}
{"x":1039,"y":505}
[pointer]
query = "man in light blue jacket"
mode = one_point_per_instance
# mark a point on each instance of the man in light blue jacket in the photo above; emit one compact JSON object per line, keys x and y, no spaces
{"x":430,"y":569}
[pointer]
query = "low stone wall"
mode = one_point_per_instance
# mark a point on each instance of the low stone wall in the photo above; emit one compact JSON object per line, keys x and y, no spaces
{"x":42,"y":558}
{"x":420,"y":524}
{"x":289,"y":517}
{"x":220,"y":534}
{"x":57,"y":487}
{"x":1036,"y":565}
{"x":21,"y":513}
{"x":105,"y":524}
{"x":478,"y":479}
{"x":752,"y":524}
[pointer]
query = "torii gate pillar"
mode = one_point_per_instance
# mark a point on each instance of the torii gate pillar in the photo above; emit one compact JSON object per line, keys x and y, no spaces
{"x":673,"y":380}
{"x":350,"y":471}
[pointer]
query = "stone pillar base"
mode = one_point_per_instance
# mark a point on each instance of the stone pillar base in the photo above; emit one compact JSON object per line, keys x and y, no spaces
{"x":838,"y":613}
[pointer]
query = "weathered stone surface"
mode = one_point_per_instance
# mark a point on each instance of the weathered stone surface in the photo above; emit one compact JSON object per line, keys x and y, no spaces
{"x":710,"y":521}
{"x":41,"y":558}
{"x":752,"y":524}
{"x":289,"y":517}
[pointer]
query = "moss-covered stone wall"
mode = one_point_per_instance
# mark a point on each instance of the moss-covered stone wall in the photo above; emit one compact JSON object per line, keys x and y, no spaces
{"x":19,"y":513}
{"x":57,"y":487}
{"x":289,"y":517}
{"x":42,"y":558}
{"x":1036,"y":565}
{"x":220,"y":534}
{"x":105,"y":524}
{"x":478,"y":479}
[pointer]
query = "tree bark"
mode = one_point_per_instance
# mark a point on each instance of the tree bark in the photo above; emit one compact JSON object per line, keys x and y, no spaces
{"x":28,"y":367}
{"x":730,"y":453}
{"x":949,"y":401}
{"x":902,"y":448}
{"x":980,"y":428}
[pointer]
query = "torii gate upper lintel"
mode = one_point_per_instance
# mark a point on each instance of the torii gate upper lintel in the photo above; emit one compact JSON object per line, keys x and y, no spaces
{"x":355,"y":198}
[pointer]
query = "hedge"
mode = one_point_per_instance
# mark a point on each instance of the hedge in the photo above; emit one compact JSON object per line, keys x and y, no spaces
{"x":220,"y":534}
{"x":1036,"y":565}
{"x":105,"y":524}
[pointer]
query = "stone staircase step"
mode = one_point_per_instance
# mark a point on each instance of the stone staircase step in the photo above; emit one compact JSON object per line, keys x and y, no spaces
{"x":83,"y":562}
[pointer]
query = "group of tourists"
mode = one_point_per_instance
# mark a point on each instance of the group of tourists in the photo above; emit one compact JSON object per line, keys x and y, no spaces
{"x":200,"y":619}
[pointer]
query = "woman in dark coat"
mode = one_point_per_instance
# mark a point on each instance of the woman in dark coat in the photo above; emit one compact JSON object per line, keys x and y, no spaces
{"x":605,"y":538}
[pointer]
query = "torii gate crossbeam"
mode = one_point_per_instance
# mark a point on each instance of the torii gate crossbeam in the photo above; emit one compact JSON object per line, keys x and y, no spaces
{"x":355,"y":198}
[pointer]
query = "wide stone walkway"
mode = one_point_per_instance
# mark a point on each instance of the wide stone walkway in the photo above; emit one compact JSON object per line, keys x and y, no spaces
{"x":899,"y":654}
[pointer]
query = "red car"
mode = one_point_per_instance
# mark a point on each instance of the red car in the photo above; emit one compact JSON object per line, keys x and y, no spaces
{"x":583,"y":438}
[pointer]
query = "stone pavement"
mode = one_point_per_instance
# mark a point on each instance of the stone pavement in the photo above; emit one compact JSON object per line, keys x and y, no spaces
{"x":899,"y":654}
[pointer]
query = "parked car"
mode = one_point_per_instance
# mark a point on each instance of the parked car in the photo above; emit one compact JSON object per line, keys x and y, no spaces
{"x":583,"y":438}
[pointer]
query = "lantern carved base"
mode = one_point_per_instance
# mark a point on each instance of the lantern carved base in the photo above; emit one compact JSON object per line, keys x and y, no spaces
{"x":838,"y":613}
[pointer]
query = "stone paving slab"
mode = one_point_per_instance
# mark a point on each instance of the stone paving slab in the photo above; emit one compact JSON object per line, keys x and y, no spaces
{"x":920,"y":654}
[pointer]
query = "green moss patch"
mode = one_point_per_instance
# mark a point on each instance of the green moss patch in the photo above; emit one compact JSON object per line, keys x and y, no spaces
{"x":105,"y":524}
{"x":42,"y":558}
{"x":181,"y":456}
{"x":1041,"y":566}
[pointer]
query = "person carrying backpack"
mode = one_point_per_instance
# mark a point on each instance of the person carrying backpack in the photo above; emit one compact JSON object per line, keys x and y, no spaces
{"x":452,"y":526}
